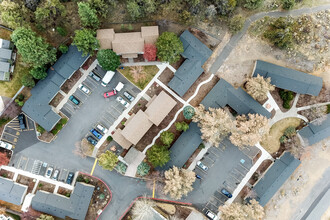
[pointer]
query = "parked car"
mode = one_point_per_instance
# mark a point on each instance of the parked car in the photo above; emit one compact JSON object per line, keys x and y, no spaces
{"x":129,"y":96}
{"x":102,"y":129}
{"x":198,"y":176}
{"x":55,"y":174}
{"x":74,"y":100}
{"x":202,"y":166}
{"x":70,"y":178}
{"x":226,"y":193}
{"x":92,"y":140}
{"x":97,"y":134}
{"x":211,"y":215}
{"x":110,"y":93}
{"x":119,"y":86}
{"x":49,"y":172}
{"x":107,"y":78}
{"x":84,"y":88}
{"x":6,"y":145}
{"x":21,"y":119}
{"x":95,"y":76}
{"x":122,"y":101}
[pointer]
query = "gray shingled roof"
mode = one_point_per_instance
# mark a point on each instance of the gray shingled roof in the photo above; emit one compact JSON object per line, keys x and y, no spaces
{"x":6,"y":44}
{"x":4,"y":66}
{"x":289,"y":79}
{"x":196,"y":54}
{"x":315,"y":132}
{"x":74,"y":207}
{"x":5,"y":54}
{"x":37,"y":106}
{"x":277,"y":174}
{"x":184,"y":146}
{"x":223,"y":93}
{"x":12,"y":192}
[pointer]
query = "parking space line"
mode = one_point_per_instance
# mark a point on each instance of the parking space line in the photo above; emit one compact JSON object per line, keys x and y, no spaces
{"x":201,"y":170}
{"x":217,"y":199}
{"x":211,"y":204}
{"x":206,"y":156}
{"x":105,"y":119}
{"x":3,"y":139}
{"x":10,"y":134}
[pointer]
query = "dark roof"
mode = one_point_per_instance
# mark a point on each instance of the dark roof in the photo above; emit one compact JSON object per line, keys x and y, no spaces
{"x":223,"y":93}
{"x":11,"y":192}
{"x":274,"y":178}
{"x":75,"y":206}
{"x":184,"y":146}
{"x":37,"y":106}
{"x":196,"y":54}
{"x":5,"y":53}
{"x":316,"y":132}
{"x":289,"y":79}
{"x":4,"y":66}
{"x":6,"y":44}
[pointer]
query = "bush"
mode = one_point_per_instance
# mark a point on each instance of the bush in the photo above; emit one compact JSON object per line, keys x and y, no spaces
{"x":40,"y":185}
{"x":143,"y":169}
{"x":286,"y":105}
{"x":288,"y":4}
{"x":158,"y":155}
{"x":4,"y":121}
{"x":67,"y":194}
{"x":188,"y":112}
{"x":20,"y":97}
{"x":28,"y":81}
{"x":236,"y":23}
{"x":280,"y":33}
{"x":201,"y":146}
{"x":63,"y":48}
{"x":181,"y":126}
{"x":286,"y":95}
{"x":185,"y":17}
{"x":283,"y":139}
{"x":328,"y":109}
{"x":109,"y":138}
{"x":39,"y":72}
{"x":40,"y":129}
{"x":121,"y":167}
{"x":252,"y":4}
{"x":290,"y":131}
{"x":59,"y":126}
{"x":80,"y":178}
{"x":167,"y":137}
{"x":61,"y":31}
{"x":87,"y":180}
{"x":19,"y":103}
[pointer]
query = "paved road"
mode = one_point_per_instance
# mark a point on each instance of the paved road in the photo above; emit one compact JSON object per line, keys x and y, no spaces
{"x":236,"y":38}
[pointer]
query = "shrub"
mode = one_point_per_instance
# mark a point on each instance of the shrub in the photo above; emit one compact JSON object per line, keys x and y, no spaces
{"x":167,"y":137}
{"x":63,"y":48}
{"x":59,"y":126}
{"x":87,"y":180}
{"x":158,"y":155}
{"x":40,"y":185}
{"x":80,"y":178}
{"x":185,"y":17}
{"x":280,"y":33}
{"x":28,"y":81}
{"x":20,"y":97}
{"x":283,"y":139}
{"x":188,"y":112}
{"x":201,"y":146}
{"x":19,"y":103}
{"x":4,"y":121}
{"x":290,"y":131}
{"x":286,"y":105}
{"x":61,"y":31}
{"x":181,"y":126}
{"x":143,"y":169}
{"x":39,"y":72}
{"x":236,"y":23}
{"x":121,"y":167}
{"x":252,"y":4}
{"x":109,"y":138}
{"x":287,"y":97}
{"x":40,"y":129}
{"x":288,"y":4}
{"x":328,"y":109}
{"x":67,"y":194}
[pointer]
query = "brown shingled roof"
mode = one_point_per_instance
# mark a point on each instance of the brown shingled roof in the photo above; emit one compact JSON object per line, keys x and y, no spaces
{"x":128,"y":43}
{"x":150,"y":34}
{"x":120,"y":139}
{"x":159,"y":107}
{"x":105,"y":36}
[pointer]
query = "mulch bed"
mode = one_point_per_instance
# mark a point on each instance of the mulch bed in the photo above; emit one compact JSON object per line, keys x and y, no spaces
{"x":166,"y":76}
{"x":46,"y":187}
{"x":64,"y":191}
{"x":56,"y":100}
{"x":140,"y":105}
{"x":6,"y":174}
{"x":139,"y":58}
{"x":203,"y":91}
{"x":24,"y":180}
{"x":305,"y":100}
{"x":46,"y":136}
{"x":88,"y":62}
{"x":66,"y":87}
{"x":177,"y":64}
{"x":279,"y":101}
{"x":155,"y":89}
{"x":261,"y":169}
{"x":191,"y":159}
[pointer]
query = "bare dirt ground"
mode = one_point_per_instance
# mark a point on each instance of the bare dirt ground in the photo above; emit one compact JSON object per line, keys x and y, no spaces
{"x":287,"y":201}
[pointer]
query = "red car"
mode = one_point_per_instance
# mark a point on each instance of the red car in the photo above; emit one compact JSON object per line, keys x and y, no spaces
{"x":110,"y":93}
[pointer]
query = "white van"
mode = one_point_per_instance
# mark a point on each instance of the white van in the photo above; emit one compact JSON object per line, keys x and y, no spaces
{"x":107,"y":78}
{"x":119,"y":86}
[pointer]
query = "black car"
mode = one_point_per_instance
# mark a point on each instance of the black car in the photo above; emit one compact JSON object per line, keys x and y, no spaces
{"x":21,"y":119}
{"x":226,"y":193}
{"x":70,"y":178}
{"x":92,"y":140}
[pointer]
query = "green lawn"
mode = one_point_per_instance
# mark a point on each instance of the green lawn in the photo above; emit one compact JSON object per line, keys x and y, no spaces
{"x":148,"y":73}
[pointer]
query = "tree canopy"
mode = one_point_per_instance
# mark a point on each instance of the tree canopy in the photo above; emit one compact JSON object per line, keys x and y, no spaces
{"x":258,"y":87}
{"x":34,"y":49}
{"x":158,"y":155}
{"x":181,"y":126}
{"x":108,"y":160}
{"x":239,"y":211}
{"x":38,"y":72}
{"x":167,"y":137}
{"x":48,"y":12}
{"x":169,"y":47}
{"x":13,"y":14}
{"x":150,"y":52}
{"x":86,"y":41}
{"x":108,"y":59}
{"x":87,"y":15}
{"x":188,"y":112}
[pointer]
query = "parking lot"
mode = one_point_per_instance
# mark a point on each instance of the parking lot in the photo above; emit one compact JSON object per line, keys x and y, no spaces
{"x":227,"y":166}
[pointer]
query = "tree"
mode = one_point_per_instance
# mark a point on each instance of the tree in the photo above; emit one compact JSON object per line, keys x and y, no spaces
{"x":239,"y":211}
{"x":143,"y":169}
{"x":63,"y":48}
{"x":169,"y":47}
{"x":236,"y":23}
{"x":87,"y":15}
{"x":45,"y":217}
{"x":4,"y":160}
{"x":258,"y":87}
{"x":143,"y":210}
{"x":150,"y":52}
{"x":134,"y":9}
{"x":210,"y":12}
{"x":158,"y":155}
{"x":108,"y":59}
{"x":178,"y":182}
{"x":101,"y":6}
{"x":181,"y":126}
{"x":34,"y":49}
{"x":108,"y":160}
{"x":38,"y":72}
{"x":13,"y":14}
{"x":86,"y":41}
{"x":294,"y":146}
{"x":49,"y":11}
{"x":215,"y":124}
{"x":288,"y":4}
{"x":280,"y":33}
{"x":249,"y":130}
{"x":252,"y":4}
{"x":188,"y":112}
{"x":167,"y":137}
{"x":28,"y":81}
{"x":225,"y":7}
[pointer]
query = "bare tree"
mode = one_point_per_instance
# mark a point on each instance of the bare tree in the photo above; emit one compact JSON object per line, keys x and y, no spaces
{"x":258,"y":87}
{"x":249,"y":130}
{"x":294,"y":146}
{"x":214,"y":124}
{"x":137,"y":72}
{"x":83,"y":148}
{"x":142,"y":209}
{"x":178,"y":182}
{"x":317,"y":114}
{"x":239,"y":211}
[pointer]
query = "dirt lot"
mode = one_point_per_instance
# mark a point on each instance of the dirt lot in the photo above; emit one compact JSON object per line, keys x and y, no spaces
{"x":46,"y":187}
{"x":71,"y":82}
{"x":30,"y":182}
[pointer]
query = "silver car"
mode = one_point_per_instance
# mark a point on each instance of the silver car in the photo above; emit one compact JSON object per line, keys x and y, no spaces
{"x":84,"y":88}
{"x":122,"y":101}
{"x":55,"y":174}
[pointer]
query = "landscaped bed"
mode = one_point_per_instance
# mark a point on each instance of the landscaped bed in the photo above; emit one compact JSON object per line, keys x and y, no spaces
{"x":56,"y":100}
{"x":64,"y":191}
{"x":67,"y":86}
{"x":46,"y":187}
{"x":280,"y":102}
{"x":305,"y":100}
{"x":24,"y":180}
{"x":272,"y":141}
{"x":139,"y":75}
{"x":48,"y":136}
{"x":6,"y":174}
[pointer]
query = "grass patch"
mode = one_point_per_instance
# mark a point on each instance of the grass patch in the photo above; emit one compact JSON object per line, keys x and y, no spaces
{"x":272,"y":142}
{"x":59,"y":126}
{"x":146,"y":75}
{"x":10,"y":88}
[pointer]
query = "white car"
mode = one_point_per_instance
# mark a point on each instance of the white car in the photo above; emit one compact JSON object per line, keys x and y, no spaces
{"x":6,"y":145}
{"x":84,"y":88}
{"x":55,"y":175}
{"x":211,"y":215}
{"x":122,"y":101}
{"x":49,"y":172}
{"x":102,"y":128}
